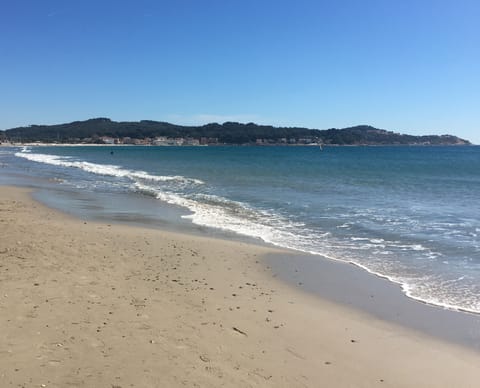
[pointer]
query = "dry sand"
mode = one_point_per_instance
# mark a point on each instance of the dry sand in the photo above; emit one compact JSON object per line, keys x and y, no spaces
{"x":94,"y":305}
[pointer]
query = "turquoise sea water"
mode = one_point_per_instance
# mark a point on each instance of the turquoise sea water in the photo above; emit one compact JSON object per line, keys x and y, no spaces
{"x":411,"y":214}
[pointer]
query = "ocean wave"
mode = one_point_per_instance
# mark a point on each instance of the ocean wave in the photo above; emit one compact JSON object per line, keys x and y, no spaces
{"x":104,"y":169}
{"x":233,"y":216}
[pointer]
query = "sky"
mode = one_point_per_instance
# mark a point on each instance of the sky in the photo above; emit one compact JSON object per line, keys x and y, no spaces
{"x":409,"y":66}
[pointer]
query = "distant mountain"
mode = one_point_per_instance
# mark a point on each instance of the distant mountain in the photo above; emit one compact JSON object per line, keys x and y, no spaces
{"x":101,"y":130}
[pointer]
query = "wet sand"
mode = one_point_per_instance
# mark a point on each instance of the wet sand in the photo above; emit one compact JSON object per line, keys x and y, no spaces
{"x":86,"y":304}
{"x":355,"y":288}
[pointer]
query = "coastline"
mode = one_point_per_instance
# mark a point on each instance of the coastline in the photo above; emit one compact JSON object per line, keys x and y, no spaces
{"x":7,"y":145}
{"x":352,"y":286}
{"x":95,"y":304}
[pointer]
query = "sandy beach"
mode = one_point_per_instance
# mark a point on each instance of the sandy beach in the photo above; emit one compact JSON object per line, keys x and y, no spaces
{"x":85,"y":304}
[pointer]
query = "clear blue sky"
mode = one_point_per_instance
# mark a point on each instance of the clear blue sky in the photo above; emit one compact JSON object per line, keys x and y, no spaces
{"x":410,"y":66}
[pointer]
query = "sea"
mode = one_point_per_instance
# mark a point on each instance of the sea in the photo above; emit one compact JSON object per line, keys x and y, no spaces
{"x":408,"y":214}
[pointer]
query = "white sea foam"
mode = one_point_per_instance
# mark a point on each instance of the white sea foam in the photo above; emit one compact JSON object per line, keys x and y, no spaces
{"x":103,"y":169}
{"x":359,"y":238}
{"x":232,"y":216}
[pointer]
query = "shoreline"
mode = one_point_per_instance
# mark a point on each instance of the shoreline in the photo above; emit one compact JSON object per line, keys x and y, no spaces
{"x":283,"y":263}
{"x":96,"y":304}
{"x":349,"y":285}
{"x":175,"y":223}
